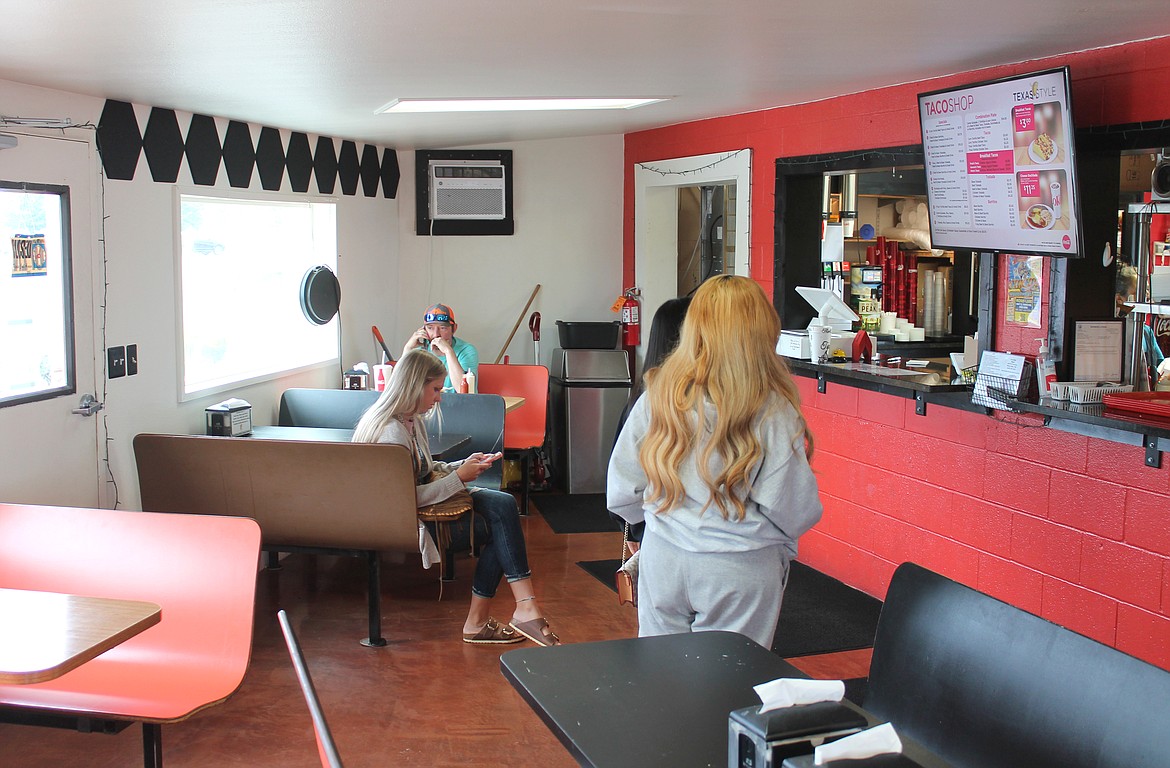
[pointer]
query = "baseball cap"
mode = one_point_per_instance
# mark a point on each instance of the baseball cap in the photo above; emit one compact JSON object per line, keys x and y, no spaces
{"x":439,"y":313}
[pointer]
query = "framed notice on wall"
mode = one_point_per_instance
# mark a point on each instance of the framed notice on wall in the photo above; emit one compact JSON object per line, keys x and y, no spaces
{"x":1097,"y":350}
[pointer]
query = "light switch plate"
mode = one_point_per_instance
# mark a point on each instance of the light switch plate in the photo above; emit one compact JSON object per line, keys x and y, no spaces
{"x":116,"y":362}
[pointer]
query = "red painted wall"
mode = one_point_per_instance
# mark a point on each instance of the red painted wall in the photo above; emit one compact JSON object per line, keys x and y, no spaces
{"x":1072,"y":528}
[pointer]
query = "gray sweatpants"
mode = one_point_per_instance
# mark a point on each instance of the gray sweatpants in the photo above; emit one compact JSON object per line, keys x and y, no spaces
{"x":682,"y":591}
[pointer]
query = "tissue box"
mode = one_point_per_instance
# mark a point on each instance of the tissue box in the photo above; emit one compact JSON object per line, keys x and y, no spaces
{"x":231,"y":418}
{"x":765,"y":740}
{"x":793,"y":344}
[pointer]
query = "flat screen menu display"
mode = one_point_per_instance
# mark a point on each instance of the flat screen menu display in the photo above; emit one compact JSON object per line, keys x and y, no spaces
{"x":999,"y":166}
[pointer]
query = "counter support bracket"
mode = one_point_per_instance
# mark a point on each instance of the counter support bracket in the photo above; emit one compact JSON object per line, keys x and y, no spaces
{"x":821,"y":382}
{"x":1153,"y":455}
{"x":920,"y":403}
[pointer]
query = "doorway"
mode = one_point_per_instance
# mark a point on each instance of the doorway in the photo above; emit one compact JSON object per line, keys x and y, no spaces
{"x":656,"y":219}
{"x":706,"y":234}
{"x":47,"y":445}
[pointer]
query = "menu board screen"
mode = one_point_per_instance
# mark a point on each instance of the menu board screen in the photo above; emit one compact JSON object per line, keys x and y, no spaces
{"x":999,"y":166}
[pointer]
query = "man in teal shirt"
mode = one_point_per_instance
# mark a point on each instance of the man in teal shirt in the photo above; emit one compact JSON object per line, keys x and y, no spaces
{"x":437,"y":334}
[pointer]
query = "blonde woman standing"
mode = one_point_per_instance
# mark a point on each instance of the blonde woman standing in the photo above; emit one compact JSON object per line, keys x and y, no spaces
{"x":414,"y":388}
{"x":714,"y":457}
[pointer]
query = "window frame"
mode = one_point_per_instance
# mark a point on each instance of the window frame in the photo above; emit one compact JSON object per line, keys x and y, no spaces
{"x":62,"y":192}
{"x":243,"y":196}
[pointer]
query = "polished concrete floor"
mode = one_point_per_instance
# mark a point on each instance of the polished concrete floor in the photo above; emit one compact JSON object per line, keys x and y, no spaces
{"x":426,"y":699}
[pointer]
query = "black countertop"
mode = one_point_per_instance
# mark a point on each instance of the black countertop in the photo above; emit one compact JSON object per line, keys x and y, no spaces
{"x":925,"y":387}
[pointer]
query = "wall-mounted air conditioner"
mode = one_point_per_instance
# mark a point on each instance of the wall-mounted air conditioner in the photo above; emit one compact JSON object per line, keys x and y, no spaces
{"x":466,"y":189}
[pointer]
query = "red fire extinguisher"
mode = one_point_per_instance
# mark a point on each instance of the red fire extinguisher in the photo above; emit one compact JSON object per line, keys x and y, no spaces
{"x":631,"y":318}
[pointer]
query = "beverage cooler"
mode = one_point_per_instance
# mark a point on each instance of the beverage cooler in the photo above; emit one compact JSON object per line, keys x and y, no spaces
{"x":589,"y":390}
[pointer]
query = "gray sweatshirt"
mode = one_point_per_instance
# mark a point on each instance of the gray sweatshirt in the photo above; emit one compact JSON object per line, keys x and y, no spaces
{"x":782,"y":500}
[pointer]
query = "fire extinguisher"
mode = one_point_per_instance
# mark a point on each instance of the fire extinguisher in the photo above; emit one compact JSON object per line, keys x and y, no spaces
{"x":631,"y":318}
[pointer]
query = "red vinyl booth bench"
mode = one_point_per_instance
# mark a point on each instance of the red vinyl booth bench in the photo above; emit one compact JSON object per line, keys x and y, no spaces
{"x":201,"y":570}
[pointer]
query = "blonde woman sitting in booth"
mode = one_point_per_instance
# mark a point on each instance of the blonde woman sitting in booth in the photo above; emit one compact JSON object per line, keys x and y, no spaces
{"x":714,"y":457}
{"x":414,"y":388}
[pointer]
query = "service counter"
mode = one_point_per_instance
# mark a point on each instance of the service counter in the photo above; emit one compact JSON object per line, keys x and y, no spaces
{"x":930,"y":386}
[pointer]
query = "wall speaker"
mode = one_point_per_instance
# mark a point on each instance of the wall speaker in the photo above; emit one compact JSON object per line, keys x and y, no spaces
{"x":1160,"y":178}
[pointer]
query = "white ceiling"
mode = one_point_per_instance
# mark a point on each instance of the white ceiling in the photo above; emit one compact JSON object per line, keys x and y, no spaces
{"x":325,"y":66}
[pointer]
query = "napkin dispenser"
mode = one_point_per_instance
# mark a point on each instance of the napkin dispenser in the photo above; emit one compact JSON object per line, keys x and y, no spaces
{"x":231,"y":418}
{"x":756,"y":740}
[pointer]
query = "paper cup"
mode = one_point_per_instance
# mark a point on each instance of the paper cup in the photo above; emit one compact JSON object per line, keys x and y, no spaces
{"x":820,"y":343}
{"x":381,"y":376}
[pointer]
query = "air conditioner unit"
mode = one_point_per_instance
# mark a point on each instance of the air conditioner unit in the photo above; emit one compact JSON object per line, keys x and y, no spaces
{"x":466,"y":189}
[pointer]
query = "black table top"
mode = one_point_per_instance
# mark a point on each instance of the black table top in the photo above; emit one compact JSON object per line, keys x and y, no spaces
{"x":644,"y":701}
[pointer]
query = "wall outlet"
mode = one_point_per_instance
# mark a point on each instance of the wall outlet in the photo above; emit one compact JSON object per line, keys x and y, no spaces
{"x":116,"y":362}
{"x":131,"y":359}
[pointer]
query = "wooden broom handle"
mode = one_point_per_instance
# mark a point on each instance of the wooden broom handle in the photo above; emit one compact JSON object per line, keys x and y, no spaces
{"x":517,"y":325}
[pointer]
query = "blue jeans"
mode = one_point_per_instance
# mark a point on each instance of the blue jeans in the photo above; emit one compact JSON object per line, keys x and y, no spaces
{"x":503,"y":552}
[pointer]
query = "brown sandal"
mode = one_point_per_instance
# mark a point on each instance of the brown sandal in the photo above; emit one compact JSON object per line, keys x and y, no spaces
{"x":537,"y":630}
{"x":493,"y":633}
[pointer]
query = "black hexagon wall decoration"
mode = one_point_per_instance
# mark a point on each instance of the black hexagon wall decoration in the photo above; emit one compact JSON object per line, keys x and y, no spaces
{"x":162,"y":143}
{"x":325,"y":165}
{"x":299,"y":162}
{"x":119,"y":140}
{"x":347,"y":167}
{"x":270,"y":159}
{"x":370,"y":170}
{"x":391,"y":175}
{"x":203,"y":150}
{"x":239,"y":156}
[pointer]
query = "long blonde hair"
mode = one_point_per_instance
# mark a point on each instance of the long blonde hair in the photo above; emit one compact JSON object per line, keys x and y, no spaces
{"x":726,"y":356}
{"x":404,"y":390}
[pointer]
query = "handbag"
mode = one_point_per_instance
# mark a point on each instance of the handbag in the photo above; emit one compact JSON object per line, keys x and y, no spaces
{"x":450,"y":508}
{"x":626,"y":577}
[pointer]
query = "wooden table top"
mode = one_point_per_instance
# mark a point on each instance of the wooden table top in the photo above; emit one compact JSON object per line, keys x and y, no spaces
{"x":512,"y":403}
{"x":48,"y":634}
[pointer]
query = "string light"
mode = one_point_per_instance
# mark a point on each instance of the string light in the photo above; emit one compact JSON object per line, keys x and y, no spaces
{"x":664,"y":172}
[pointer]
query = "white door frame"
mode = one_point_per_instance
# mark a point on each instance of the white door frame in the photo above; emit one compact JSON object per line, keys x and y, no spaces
{"x":656,"y":186}
{"x":58,"y":450}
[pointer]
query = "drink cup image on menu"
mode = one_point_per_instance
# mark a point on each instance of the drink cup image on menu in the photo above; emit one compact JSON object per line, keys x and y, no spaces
{"x":1039,"y":134}
{"x":1041,"y":200}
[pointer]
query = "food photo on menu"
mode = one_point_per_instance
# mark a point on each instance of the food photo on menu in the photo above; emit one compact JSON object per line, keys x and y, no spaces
{"x":1039,"y":134}
{"x":1040,"y":196}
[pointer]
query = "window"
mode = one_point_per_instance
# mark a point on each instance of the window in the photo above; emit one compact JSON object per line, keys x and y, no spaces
{"x":36,"y":294}
{"x":241,"y":263}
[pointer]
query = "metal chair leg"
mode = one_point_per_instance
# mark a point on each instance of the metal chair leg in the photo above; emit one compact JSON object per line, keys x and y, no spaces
{"x":152,"y":745}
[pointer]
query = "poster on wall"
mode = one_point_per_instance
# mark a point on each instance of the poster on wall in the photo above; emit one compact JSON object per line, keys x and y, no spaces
{"x":1000,"y":161}
{"x":1024,"y":289}
{"x":30,"y":257}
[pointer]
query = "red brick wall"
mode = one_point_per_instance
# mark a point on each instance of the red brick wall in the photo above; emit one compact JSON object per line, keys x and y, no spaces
{"x":1075,"y":529}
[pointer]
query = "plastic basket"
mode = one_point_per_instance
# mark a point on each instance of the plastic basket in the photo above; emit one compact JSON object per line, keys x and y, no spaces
{"x":1084,"y":392}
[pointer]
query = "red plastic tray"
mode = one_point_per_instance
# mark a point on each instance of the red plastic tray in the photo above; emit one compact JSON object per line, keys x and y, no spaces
{"x":1149,"y":403}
